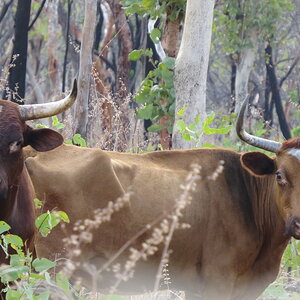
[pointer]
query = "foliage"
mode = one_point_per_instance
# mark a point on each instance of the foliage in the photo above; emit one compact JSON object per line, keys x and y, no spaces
{"x":190,"y":132}
{"x":157,"y":94}
{"x":78,"y":140}
{"x":237,"y":18}
{"x":23,"y":274}
{"x":47,"y":221}
{"x":154,"y":8}
{"x":290,"y":262}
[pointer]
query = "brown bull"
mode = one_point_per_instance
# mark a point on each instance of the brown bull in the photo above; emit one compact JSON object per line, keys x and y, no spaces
{"x":16,"y":190}
{"x":240,"y":222}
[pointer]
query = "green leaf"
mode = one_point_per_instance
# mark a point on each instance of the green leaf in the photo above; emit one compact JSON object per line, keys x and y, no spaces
{"x":155,"y":128}
{"x":47,"y":221}
{"x":13,"y":240}
{"x":79,"y":140}
{"x":155,"y":35}
{"x":181,"y":126}
{"x":145,"y":112}
{"x":135,"y":55}
{"x":42,"y":264}
{"x":13,"y":295}
{"x":17,"y":260}
{"x":43,"y":296}
{"x":4,"y":227}
{"x":169,"y":62}
{"x":186,"y":136}
{"x":143,"y":95}
{"x":181,"y":111}
{"x":38,"y":203}
{"x":8,"y":274}
{"x":56,"y":123}
{"x":62,"y":281}
{"x":208,"y":145}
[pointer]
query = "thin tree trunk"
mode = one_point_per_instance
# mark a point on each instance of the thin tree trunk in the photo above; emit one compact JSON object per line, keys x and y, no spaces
{"x":191,"y":67}
{"x":170,"y":45}
{"x":17,"y":75}
{"x":85,"y":69}
{"x":275,"y":93}
{"x":125,"y":46}
{"x":232,"y":83}
{"x":52,"y":46}
{"x":244,"y":67}
{"x":70,"y":2}
{"x":5,"y":9}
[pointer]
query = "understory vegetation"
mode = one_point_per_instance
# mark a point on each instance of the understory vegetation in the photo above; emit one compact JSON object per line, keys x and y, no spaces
{"x":130,"y":107}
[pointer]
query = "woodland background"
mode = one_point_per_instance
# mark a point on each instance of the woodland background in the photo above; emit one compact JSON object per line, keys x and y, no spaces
{"x":124,"y":53}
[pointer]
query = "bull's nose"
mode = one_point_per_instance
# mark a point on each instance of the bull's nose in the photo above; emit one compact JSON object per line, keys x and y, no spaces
{"x":297,"y":228}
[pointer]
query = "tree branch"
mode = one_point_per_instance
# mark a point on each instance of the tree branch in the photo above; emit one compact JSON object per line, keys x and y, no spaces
{"x":289,"y":71}
{"x":4,"y":10}
{"x":37,"y":15}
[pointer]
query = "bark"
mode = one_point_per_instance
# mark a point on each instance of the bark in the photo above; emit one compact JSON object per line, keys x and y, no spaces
{"x":52,"y":46}
{"x":192,"y":65}
{"x":170,"y":45}
{"x":16,"y":79}
{"x":99,"y":26}
{"x":65,"y":21}
{"x":125,"y":46}
{"x":232,"y":83}
{"x":276,"y":93}
{"x":171,"y":35}
{"x":5,"y":9}
{"x":244,"y":67}
{"x":70,"y":2}
{"x":85,"y":69}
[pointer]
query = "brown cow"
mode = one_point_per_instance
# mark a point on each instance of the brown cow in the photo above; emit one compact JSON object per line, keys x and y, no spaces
{"x":16,"y":190}
{"x":240,"y":222}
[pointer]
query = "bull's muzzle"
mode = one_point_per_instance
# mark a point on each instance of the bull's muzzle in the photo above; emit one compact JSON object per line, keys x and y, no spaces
{"x":293,"y":227}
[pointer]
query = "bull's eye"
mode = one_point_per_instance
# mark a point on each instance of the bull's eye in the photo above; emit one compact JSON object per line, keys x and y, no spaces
{"x":281,"y":178}
{"x":278,"y":176}
{"x":15,"y":146}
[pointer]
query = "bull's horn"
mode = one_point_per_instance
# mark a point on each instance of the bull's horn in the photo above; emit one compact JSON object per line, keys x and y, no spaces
{"x":39,"y":111}
{"x":265,"y":144}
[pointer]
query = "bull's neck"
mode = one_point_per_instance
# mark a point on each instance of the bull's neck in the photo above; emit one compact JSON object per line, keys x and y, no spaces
{"x":12,"y":196}
{"x":268,"y":220}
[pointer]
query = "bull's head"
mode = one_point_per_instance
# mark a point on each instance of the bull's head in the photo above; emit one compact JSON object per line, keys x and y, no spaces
{"x":15,"y":134}
{"x":285,"y":168}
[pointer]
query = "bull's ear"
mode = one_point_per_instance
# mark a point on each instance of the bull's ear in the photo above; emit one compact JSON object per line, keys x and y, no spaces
{"x":258,"y":163}
{"x":42,"y":139}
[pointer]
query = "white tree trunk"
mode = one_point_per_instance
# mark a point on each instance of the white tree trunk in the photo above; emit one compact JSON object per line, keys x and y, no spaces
{"x":85,"y":68}
{"x":191,"y":67}
{"x":244,"y":68}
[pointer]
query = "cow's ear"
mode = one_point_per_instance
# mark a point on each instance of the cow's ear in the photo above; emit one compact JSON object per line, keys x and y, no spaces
{"x":258,"y":163}
{"x":42,"y":139}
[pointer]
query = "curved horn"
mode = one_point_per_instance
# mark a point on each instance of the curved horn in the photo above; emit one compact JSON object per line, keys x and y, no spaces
{"x":39,"y":111}
{"x":261,"y":143}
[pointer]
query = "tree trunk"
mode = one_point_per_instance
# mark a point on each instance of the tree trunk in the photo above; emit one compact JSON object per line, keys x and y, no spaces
{"x":191,"y":67}
{"x":85,"y":68}
{"x":16,"y":79}
{"x":170,"y":45}
{"x":52,"y":46}
{"x":275,"y":93}
{"x":125,"y":47}
{"x":244,"y":67}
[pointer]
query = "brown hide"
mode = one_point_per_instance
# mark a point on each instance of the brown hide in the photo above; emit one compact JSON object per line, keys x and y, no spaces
{"x":16,"y":189}
{"x":237,"y":235}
